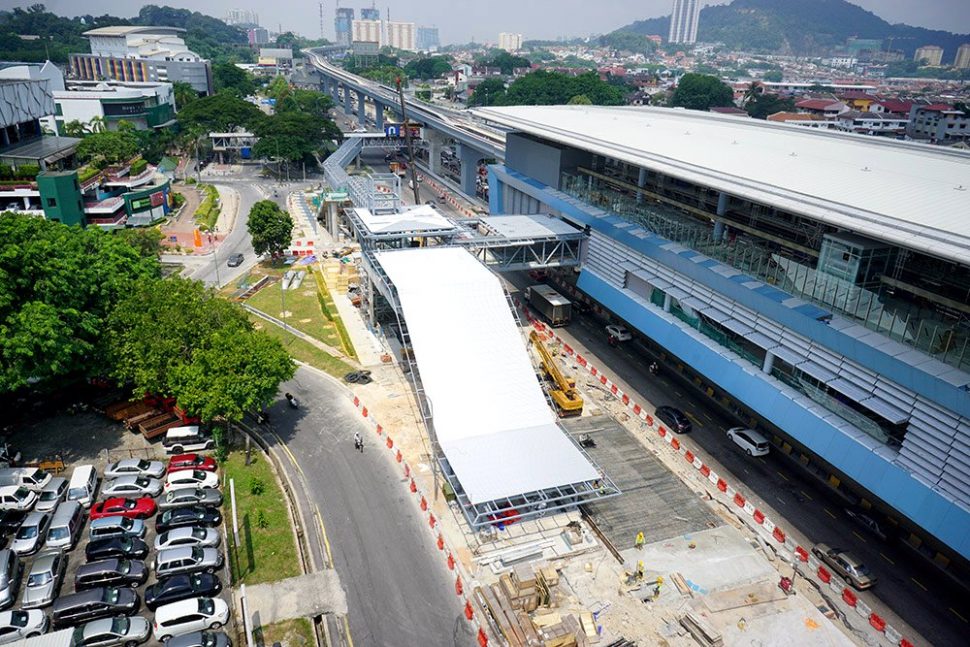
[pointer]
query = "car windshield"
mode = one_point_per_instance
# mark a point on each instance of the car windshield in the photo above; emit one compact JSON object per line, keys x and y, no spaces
{"x":126,"y":544}
{"x":198,"y":533}
{"x":22,"y":493}
{"x":206,"y":606}
{"x":58,"y":532}
{"x":198,"y":475}
{"x":197,"y":554}
{"x":76,"y":492}
{"x":208,"y":639}
{"x":48,"y":495}
{"x":861,"y":569}
{"x":126,"y":523}
{"x":27,"y":532}
{"x":141,"y":481}
{"x":39,"y":579}
{"x":111,"y":595}
{"x":18,"y":618}
{"x":124,"y":566}
{"x":143,"y":464}
{"x":119,"y":626}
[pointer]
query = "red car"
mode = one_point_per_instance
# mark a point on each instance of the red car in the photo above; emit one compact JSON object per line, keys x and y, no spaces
{"x":131,"y":508}
{"x":191,"y":462}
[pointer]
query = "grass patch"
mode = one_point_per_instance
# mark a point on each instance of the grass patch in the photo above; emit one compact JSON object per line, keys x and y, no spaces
{"x":268,"y":551}
{"x":208,"y":212}
{"x":289,"y":633}
{"x":304,"y":351}
{"x":303,"y":306}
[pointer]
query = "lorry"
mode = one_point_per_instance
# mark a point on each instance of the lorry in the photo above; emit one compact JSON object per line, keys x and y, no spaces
{"x":556,"y":308}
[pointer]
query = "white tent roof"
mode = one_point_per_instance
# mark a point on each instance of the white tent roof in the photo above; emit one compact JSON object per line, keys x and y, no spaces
{"x":415,"y":219}
{"x":490,"y":415}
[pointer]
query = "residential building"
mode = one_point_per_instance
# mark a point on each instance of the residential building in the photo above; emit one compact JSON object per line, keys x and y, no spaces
{"x":816,"y":282}
{"x":962,"y":60}
{"x":133,"y":53}
{"x":241,"y":18}
{"x":370,"y":13}
{"x":872,"y":123}
{"x":104,"y":104}
{"x":343,"y":25}
{"x":683,"y":22}
{"x":367,"y":31}
{"x":427,"y":39}
{"x":932,"y":54}
{"x":825,"y":108}
{"x":510,"y":42}
{"x":801,"y":87}
{"x":858,"y":100}
{"x":258,"y":36}
{"x":892,"y":107}
{"x":841,"y":61}
{"x":401,"y":35}
{"x":938,"y":123}
{"x":801,"y":119}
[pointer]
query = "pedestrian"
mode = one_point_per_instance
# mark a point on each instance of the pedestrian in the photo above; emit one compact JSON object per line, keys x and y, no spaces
{"x":358,"y":442}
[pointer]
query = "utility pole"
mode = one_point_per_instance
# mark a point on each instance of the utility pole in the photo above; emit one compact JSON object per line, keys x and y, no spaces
{"x":407,"y":139}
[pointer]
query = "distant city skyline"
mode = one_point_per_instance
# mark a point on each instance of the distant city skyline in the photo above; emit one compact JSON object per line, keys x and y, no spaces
{"x":540,"y":19}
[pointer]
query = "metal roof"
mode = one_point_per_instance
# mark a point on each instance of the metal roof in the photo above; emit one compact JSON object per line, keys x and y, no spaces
{"x":912,"y":195}
{"x":124,"y":30}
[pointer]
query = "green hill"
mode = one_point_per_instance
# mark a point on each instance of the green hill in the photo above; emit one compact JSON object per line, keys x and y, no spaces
{"x":804,"y":28}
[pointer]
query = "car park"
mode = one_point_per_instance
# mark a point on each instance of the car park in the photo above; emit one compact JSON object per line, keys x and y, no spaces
{"x":200,"y":639}
{"x":181,"y":587}
{"x":16,"y":625}
{"x":209,"y":497}
{"x":188,"y":536}
{"x":191,"y":438}
{"x":17,"y":497}
{"x":753,"y":443}
{"x":43,"y":580}
{"x":186,"y":616}
{"x":119,"y":506}
{"x":11,"y":570}
{"x":186,"y":559}
{"x":130,"y":547}
{"x":847,"y":565}
{"x":126,"y":631}
{"x":194,"y":516}
{"x":115,"y":571}
{"x":190,"y":479}
{"x":191,"y":462}
{"x":132,"y":486}
{"x":92,"y":604}
{"x":53,"y":493}
{"x":31,"y":534}
{"x":619,"y":333}
{"x":66,"y":525}
{"x":674,"y":418}
{"x":106,"y":527}
{"x":135,"y":467}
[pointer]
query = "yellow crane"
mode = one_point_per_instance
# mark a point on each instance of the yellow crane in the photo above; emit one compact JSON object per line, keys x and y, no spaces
{"x":564,"y":394}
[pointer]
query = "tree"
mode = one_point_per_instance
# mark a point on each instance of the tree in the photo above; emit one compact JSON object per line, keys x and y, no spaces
{"x":107,"y":147}
{"x":489,"y":92}
{"x":221,"y":112}
{"x":270,"y":227}
{"x":506,"y":62}
{"x":628,"y":41}
{"x":580,"y":100}
{"x":768,"y":104}
{"x":293,"y":136}
{"x":432,"y":67}
{"x":147,"y":240}
{"x":229,"y":76}
{"x":73,"y":128}
{"x":701,"y":92}
{"x":184,"y":94}
{"x":773,"y":76}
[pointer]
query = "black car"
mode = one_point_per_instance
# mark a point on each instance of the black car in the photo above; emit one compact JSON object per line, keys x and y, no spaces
{"x":674,"y":418}
{"x":110,"y":572}
{"x":182,"y":587}
{"x":93,"y":604}
{"x":200,"y":639}
{"x":10,"y":520}
{"x":235,"y":260}
{"x":195,"y":515}
{"x":116,"y":547}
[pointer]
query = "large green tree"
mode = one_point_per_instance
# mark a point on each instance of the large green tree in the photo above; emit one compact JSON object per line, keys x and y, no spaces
{"x":228,"y":76}
{"x":762,"y":105}
{"x":432,"y":67}
{"x":270,"y":228}
{"x":293,"y":136}
{"x":107,"y":147}
{"x":505,"y":61}
{"x":184,"y":94}
{"x":701,"y":92}
{"x":490,"y":92}
{"x":221,"y":112}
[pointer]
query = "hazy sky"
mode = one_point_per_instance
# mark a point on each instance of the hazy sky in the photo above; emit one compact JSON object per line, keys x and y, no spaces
{"x":461,"y":20}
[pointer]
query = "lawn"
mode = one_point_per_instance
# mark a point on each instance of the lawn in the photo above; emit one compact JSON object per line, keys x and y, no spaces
{"x":289,"y":633}
{"x":304,"y":351}
{"x":302,"y":307}
{"x":267,"y":550}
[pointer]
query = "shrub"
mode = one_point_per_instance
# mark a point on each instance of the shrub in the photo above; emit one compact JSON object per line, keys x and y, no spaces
{"x":256,"y":486}
{"x":138,"y":167}
{"x":261,"y":521}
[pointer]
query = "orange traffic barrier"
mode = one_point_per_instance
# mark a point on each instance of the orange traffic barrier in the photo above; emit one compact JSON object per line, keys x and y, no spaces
{"x":431,"y":520}
{"x":675,"y":443}
{"x":413,"y":487}
{"x":849,"y":597}
{"x":468,"y":610}
{"x":441,"y":542}
{"x":877,"y":622}
{"x":459,"y":589}
{"x":390,"y":442}
{"x":738,"y":500}
{"x":424,"y":504}
{"x":759,"y":516}
{"x":482,"y":638}
{"x":398,"y":456}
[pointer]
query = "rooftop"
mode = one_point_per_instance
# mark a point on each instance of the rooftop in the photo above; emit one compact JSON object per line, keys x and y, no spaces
{"x":912,"y":195}
{"x":124,"y":30}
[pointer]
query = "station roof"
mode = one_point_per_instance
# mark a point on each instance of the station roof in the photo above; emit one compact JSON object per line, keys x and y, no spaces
{"x":124,"y":30}
{"x":416,"y":220}
{"x":912,"y":195}
{"x":529,"y":226}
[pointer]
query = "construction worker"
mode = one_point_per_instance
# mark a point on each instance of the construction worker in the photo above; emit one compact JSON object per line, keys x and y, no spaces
{"x":638,"y":542}
{"x":358,"y":442}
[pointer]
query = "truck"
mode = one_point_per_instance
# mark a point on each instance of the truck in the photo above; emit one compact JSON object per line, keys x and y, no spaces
{"x":556,"y":308}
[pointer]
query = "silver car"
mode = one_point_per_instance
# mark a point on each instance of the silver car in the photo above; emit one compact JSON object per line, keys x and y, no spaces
{"x":43,"y":580}
{"x":109,"y":632}
{"x":135,"y":467}
{"x":31,"y":533}
{"x":16,"y":625}
{"x":186,"y":559}
{"x":183,"y":497}
{"x":132,"y":486}
{"x":116,"y":526}
{"x":52,"y":494}
{"x":11,"y":570}
{"x":188,"y":536}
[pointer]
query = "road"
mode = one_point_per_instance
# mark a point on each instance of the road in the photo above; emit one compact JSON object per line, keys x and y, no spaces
{"x":907,"y":587}
{"x":399,"y":591}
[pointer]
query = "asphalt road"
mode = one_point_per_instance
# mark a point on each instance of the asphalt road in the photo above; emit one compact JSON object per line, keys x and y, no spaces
{"x":399,"y":591}
{"x":907,"y":586}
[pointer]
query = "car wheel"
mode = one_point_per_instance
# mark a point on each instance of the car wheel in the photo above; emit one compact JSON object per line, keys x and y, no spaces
{"x":164,"y":639}
{"x":134,"y":585}
{"x":131,"y":643}
{"x":216,"y":625}
{"x":210,"y":570}
{"x":747,"y":451}
{"x":177,"y":449}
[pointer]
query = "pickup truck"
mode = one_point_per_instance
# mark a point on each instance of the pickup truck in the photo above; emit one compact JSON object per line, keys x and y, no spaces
{"x":846,"y":565}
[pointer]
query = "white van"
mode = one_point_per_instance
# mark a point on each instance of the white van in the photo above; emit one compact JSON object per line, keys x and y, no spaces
{"x":65,"y":526}
{"x":84,"y":485}
{"x":32,"y":478}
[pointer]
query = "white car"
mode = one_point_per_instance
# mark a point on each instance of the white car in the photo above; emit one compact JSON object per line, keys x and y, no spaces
{"x":188,"y":536}
{"x":135,"y":467}
{"x":52,"y":494}
{"x":31,"y":534}
{"x":186,"y":616}
{"x":620,"y":333}
{"x":753,"y":443}
{"x":16,"y":625}
{"x":191,"y":479}
{"x":131,"y":486}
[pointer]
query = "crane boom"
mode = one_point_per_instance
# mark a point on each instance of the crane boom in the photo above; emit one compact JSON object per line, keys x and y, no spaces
{"x":564,"y":395}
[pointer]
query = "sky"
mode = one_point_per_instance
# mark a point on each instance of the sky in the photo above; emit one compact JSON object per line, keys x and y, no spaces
{"x":460,"y":21}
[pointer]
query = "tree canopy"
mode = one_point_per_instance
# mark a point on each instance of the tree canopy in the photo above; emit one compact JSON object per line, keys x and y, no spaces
{"x":229,"y":76}
{"x":270,"y":228}
{"x":107,"y":147}
{"x":505,"y":61}
{"x":432,"y":67}
{"x":220,"y":112}
{"x":548,"y":88}
{"x":762,"y":104}
{"x":628,"y":41}
{"x":701,"y":92}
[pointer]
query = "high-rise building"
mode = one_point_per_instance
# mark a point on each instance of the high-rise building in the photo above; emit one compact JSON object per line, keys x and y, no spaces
{"x":343,"y":25}
{"x":370,"y":13}
{"x":258,"y":36}
{"x":683,"y":22}
{"x":932,"y":54}
{"x":962,"y":60}
{"x":367,"y":31}
{"x":401,"y":35}
{"x":241,"y":17}
{"x":428,"y":39}
{"x":510,"y":42}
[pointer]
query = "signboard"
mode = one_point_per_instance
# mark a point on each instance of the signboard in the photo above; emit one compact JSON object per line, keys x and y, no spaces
{"x":397,"y":130}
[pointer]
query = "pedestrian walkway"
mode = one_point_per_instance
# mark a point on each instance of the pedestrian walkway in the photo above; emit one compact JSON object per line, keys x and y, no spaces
{"x":303,"y":596}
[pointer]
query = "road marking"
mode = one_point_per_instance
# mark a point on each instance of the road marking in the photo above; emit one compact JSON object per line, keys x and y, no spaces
{"x":957,"y":614}
{"x":323,"y":531}
{"x":350,"y":639}
{"x":887,"y":559}
{"x":678,"y":394}
{"x":780,"y":501}
{"x":290,"y":454}
{"x":781,"y":475}
{"x":860,"y":537}
{"x":919,"y":584}
{"x":805,"y":494}
{"x":709,"y":418}
{"x":762,"y":460}
{"x":829,"y":513}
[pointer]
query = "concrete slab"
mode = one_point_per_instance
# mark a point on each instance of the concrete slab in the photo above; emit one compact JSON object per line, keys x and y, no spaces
{"x":780,"y":624}
{"x":303,"y":596}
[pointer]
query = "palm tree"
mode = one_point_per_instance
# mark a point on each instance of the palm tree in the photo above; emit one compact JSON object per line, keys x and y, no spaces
{"x":96,"y":125}
{"x":753,"y":90}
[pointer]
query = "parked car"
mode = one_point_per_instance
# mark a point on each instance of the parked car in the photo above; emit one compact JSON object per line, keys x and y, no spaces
{"x":43,"y":580}
{"x":11,"y":571}
{"x":190,"y":479}
{"x":207,"y":496}
{"x":191,"y":462}
{"x":17,"y":497}
{"x":186,"y":616}
{"x":618,"y":332}
{"x":847,"y":565}
{"x":16,"y":625}
{"x":132,"y":486}
{"x":190,"y":438}
{"x":116,"y":526}
{"x":674,"y":418}
{"x":753,"y":443}
{"x":96,"y":603}
{"x":52,"y":494}
{"x":116,"y":547}
{"x":186,"y":559}
{"x":121,"y":507}
{"x":10,"y":520}
{"x":112,"y":632}
{"x":135,"y":467}
{"x":200,"y":639}
{"x":114,"y":571}
{"x":181,"y":587}
{"x":235,"y":260}
{"x":867,"y":522}
{"x":196,"y":516}
{"x":31,"y":534}
{"x":188,"y":536}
